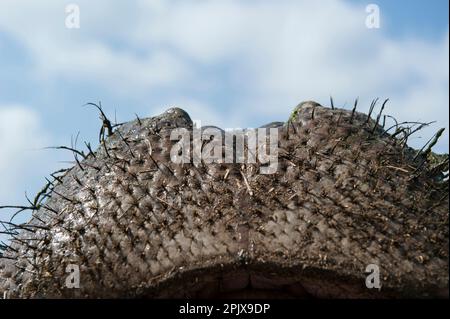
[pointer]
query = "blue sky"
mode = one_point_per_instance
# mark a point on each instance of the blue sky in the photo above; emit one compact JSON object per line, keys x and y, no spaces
{"x":229,"y":63}
{"x":427,"y":19}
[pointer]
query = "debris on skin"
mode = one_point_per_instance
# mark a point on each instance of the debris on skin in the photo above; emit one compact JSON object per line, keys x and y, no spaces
{"x":346,"y":194}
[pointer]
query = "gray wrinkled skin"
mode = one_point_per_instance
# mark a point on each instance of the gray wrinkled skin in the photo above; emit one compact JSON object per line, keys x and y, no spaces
{"x":345,"y":195}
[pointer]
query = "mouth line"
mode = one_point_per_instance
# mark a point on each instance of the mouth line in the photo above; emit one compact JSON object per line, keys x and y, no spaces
{"x":263,"y":281}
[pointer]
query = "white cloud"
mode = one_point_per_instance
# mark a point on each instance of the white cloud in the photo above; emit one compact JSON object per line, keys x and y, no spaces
{"x":22,"y":137}
{"x":82,"y":54}
{"x":95,"y":63}
{"x":271,"y":55}
{"x":286,"y":52}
